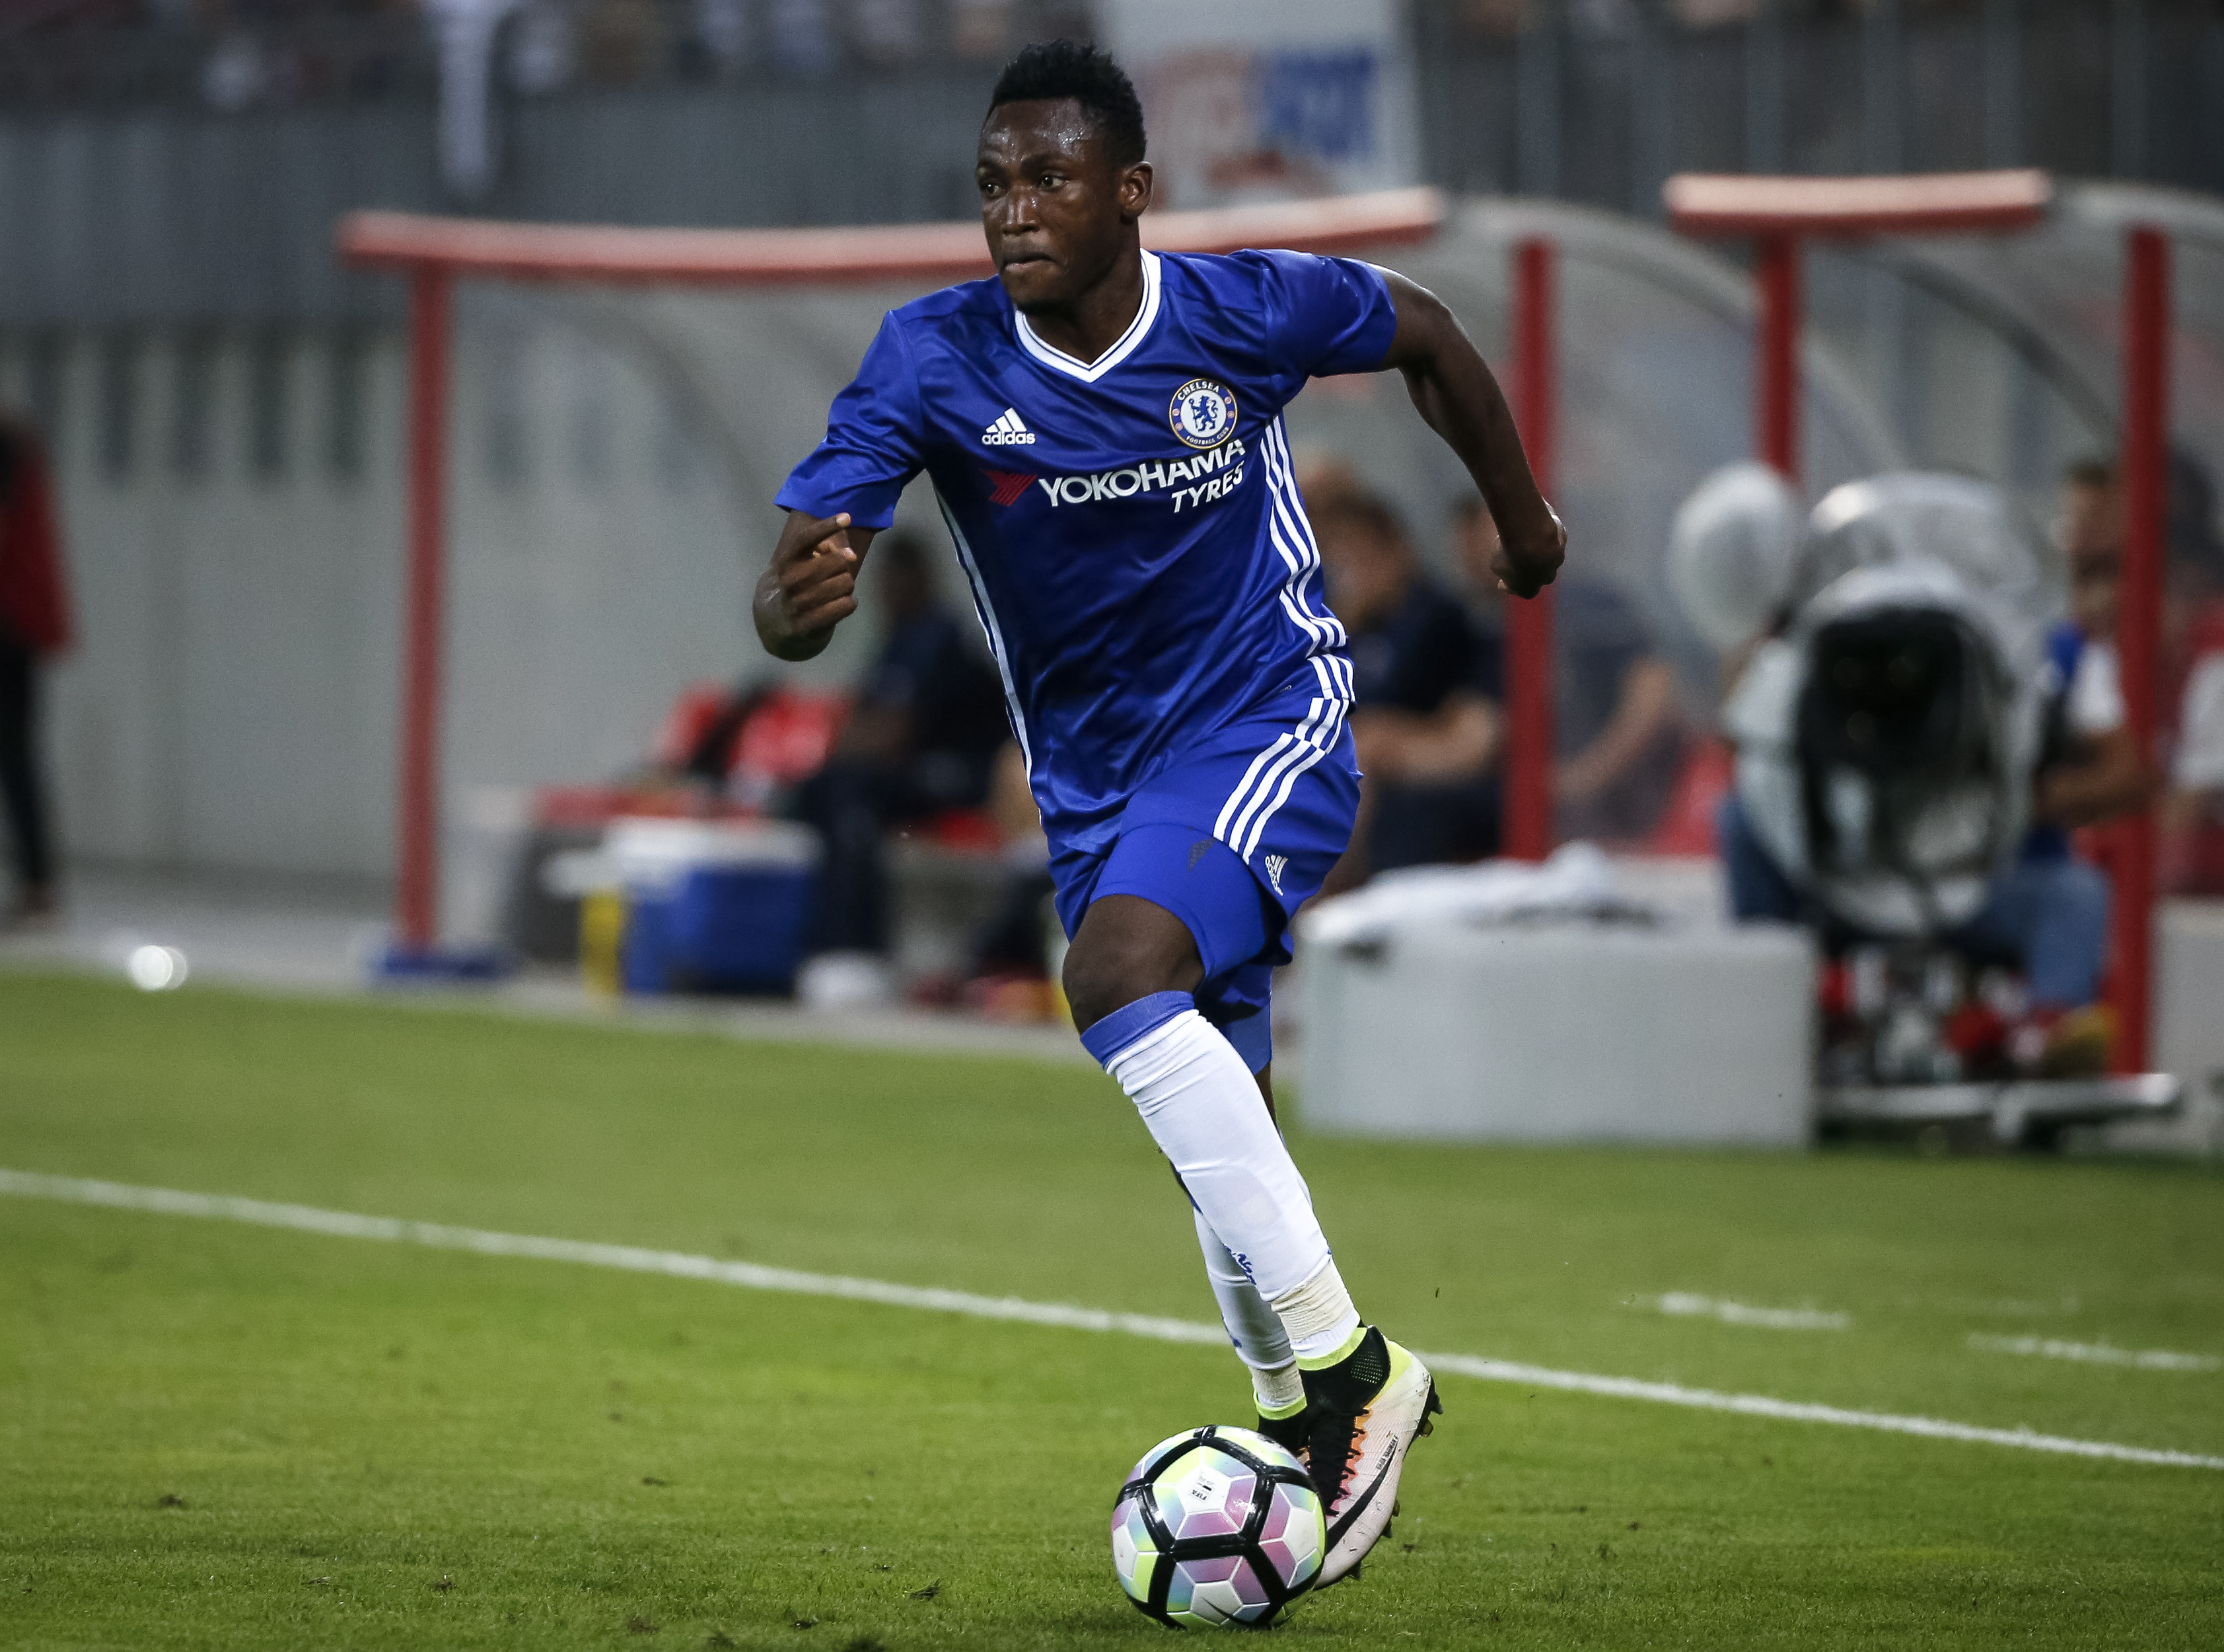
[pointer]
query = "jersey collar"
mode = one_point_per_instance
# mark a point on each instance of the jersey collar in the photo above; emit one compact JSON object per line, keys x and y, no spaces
{"x":1089,"y":371}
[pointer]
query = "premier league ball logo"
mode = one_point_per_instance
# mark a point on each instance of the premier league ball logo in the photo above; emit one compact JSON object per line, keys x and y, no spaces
{"x":1203,"y":412}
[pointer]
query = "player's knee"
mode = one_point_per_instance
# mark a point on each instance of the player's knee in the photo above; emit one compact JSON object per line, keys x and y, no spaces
{"x":1094,"y":984}
{"x":1108,"y":972}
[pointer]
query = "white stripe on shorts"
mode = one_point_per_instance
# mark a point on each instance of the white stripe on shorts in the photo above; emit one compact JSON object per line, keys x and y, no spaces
{"x":1272,"y":774}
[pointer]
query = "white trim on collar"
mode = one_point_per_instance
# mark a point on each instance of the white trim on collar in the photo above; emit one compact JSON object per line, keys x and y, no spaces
{"x":1089,"y":372}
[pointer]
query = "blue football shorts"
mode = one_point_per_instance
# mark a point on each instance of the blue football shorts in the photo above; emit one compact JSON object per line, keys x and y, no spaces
{"x":1231,"y":836}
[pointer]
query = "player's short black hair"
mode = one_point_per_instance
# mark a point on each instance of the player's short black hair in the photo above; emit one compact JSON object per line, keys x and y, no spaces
{"x":1053,"y":70}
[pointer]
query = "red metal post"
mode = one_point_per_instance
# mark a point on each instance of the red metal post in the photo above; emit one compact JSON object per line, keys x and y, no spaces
{"x":2138,"y":626}
{"x":1776,"y":372}
{"x":1526,"y":831}
{"x":417,"y":881}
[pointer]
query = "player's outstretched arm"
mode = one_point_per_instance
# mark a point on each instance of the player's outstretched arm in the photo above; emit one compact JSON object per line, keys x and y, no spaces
{"x":1452,"y":386}
{"x":810,"y":586}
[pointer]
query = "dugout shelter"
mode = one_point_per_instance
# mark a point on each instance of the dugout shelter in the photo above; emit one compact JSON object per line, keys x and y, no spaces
{"x":2077,"y":286}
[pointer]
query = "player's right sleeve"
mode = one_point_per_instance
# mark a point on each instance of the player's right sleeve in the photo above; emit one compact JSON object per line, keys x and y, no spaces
{"x":874,"y":437}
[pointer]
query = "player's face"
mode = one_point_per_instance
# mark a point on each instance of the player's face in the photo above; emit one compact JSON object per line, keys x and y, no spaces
{"x":1057,"y":212}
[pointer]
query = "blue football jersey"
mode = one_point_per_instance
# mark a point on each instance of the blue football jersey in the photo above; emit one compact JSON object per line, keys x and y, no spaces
{"x":1130,"y":527}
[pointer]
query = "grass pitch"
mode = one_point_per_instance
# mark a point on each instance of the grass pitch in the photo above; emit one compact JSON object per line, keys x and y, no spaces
{"x":227,"y":1437}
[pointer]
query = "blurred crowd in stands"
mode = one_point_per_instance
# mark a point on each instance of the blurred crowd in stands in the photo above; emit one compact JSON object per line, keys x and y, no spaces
{"x":237,"y":54}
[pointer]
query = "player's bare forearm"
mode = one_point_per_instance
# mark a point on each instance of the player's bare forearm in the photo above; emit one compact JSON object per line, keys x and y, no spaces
{"x":1455,"y":393}
{"x":811,"y":584}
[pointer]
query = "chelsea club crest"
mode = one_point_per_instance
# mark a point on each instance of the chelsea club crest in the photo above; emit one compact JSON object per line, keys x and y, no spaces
{"x":1203,"y":412}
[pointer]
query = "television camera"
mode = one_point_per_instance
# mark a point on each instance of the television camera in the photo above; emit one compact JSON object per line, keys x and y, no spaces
{"x":1892,"y":712}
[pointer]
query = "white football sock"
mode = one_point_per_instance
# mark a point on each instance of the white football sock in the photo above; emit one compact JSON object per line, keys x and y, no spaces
{"x":1254,"y":1328}
{"x":1280,"y":1392}
{"x":1202,"y":1107}
{"x":1322,"y":1324}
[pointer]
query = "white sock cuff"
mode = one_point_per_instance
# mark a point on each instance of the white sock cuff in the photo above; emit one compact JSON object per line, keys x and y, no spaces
{"x":1157,"y":1051}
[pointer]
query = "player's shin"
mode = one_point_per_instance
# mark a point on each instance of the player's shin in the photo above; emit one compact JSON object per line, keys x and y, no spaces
{"x":1200,"y":1105}
{"x":1261,"y":1343}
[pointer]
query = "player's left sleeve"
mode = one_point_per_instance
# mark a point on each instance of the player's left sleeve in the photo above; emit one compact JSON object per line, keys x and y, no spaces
{"x":874,"y":435}
{"x":1328,"y":315}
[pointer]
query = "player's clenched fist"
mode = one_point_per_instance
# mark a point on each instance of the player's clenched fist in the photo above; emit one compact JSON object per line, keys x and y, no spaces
{"x":1527,"y":566}
{"x":811,"y":584}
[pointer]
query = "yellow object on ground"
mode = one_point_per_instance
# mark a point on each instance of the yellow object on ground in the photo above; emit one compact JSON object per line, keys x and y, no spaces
{"x":2078,"y":1045}
{"x":602,"y":939}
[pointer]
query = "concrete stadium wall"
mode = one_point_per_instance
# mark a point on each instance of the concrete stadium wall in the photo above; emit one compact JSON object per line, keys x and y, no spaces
{"x":231,"y":704}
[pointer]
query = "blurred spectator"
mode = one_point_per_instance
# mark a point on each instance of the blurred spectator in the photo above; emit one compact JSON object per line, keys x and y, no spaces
{"x":1617,"y":732}
{"x":1013,"y":967}
{"x":1424,"y":711}
{"x":2089,"y":768}
{"x":802,"y":37}
{"x":981,"y":30}
{"x":2089,"y":771}
{"x":2092,"y":519}
{"x":921,"y":740}
{"x":1325,"y":480}
{"x":35,"y":625}
{"x":724,"y":29}
{"x":2192,"y":702}
{"x":620,"y":42}
{"x":885,"y":33}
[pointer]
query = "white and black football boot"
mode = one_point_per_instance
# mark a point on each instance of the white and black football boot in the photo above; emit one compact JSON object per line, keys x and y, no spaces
{"x":1365,"y":1411}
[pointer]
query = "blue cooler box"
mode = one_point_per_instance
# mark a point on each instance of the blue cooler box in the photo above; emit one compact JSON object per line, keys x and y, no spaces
{"x":714,"y":909}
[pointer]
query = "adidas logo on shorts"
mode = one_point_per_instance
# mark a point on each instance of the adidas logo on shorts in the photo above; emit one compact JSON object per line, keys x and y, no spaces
{"x":1007,"y":432}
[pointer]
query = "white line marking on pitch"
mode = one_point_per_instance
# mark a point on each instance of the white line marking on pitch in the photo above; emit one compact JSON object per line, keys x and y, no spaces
{"x":1685,"y":1304}
{"x":2095,"y":1353}
{"x":347,"y":1224}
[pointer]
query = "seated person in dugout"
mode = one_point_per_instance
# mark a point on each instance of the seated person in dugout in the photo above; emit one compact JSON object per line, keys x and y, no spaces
{"x":1425,"y":712}
{"x":2192,"y":703}
{"x":2090,"y":770}
{"x":1617,"y":731}
{"x":922,"y":737}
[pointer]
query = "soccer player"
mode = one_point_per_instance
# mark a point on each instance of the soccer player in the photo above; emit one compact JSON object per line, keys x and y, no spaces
{"x":1103,"y":426}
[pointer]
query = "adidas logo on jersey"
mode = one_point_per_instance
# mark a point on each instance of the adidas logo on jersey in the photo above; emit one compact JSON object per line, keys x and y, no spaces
{"x":1274,"y":866}
{"x":1008,"y":430}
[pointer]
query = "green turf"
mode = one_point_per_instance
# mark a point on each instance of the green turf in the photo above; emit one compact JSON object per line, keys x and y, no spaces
{"x":349,"y":1424}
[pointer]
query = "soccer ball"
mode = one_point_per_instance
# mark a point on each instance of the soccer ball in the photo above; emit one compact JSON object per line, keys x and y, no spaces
{"x":1217,"y":1527}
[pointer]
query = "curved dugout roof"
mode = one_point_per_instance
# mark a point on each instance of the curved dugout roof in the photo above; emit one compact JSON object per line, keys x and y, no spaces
{"x":2001,"y":355}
